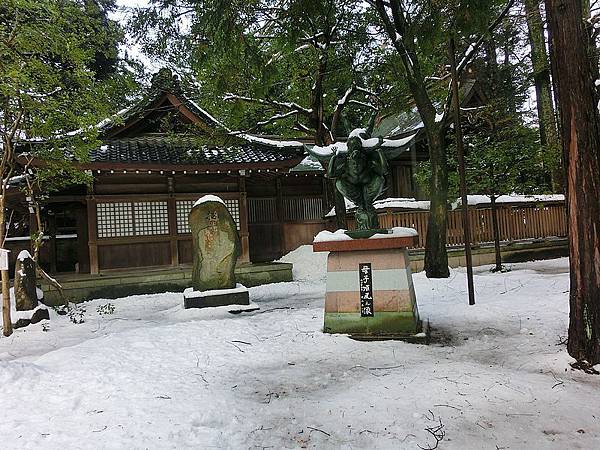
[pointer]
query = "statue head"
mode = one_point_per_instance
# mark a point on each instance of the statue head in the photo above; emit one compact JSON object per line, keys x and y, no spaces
{"x":354,"y":145}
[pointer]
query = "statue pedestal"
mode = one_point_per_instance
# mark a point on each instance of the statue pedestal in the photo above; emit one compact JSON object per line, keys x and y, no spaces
{"x":217,"y":297}
{"x":370,"y":293}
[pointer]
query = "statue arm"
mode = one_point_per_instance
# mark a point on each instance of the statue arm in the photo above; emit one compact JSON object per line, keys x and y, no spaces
{"x":333,"y":169}
{"x":379,"y":162}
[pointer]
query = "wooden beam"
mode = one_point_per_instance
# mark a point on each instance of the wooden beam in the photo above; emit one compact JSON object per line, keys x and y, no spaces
{"x":244,"y":233}
{"x":92,"y":234}
{"x":172,"y":211}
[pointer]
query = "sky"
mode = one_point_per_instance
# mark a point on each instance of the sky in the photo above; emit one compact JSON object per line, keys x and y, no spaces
{"x":123,"y":12}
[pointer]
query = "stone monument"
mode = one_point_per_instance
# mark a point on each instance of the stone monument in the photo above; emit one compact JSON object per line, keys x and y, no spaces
{"x":370,"y":293}
{"x":217,"y":246}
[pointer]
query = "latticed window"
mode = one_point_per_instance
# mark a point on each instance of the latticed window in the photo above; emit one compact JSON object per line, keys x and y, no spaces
{"x":185,"y":206}
{"x":121,"y":219}
{"x":151,"y":218}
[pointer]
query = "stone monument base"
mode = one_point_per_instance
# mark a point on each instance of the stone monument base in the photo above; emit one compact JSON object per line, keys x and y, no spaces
{"x":370,"y":293}
{"x":218,"y":297}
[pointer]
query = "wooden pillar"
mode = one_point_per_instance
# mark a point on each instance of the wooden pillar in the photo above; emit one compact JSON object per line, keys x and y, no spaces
{"x":413,"y":170}
{"x":83,"y":256}
{"x":280,"y":218}
{"x":244,"y":234}
{"x":33,"y":227}
{"x":172,"y":211}
{"x":52,"y":233}
{"x":172,"y":214}
{"x":92,"y":234}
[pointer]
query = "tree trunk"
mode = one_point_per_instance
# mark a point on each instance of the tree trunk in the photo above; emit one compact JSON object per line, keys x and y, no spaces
{"x":6,"y":321}
{"x":549,"y":136}
{"x":573,"y":52}
{"x":496,"y":228}
{"x":436,"y":257}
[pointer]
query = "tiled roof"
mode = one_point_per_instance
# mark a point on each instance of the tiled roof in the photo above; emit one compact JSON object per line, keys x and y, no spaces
{"x":167,"y":150}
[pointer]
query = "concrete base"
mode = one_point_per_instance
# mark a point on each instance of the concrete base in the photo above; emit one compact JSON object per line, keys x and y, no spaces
{"x":422,"y":337}
{"x":121,"y":283}
{"x":389,"y":289}
{"x":219,"y":297}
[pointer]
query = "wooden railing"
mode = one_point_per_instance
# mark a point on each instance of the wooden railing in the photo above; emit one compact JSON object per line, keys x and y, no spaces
{"x":516,"y":222}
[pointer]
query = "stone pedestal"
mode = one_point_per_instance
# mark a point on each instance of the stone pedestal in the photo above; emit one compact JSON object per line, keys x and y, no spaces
{"x":370,"y":293}
{"x":216,"y":297}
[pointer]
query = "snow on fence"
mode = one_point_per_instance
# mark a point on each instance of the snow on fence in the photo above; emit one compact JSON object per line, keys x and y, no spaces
{"x":516,"y":222}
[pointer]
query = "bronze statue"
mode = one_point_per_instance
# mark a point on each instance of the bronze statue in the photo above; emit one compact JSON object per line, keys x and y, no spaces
{"x":360,"y":174}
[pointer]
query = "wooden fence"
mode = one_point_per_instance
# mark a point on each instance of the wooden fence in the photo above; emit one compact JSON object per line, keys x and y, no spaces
{"x":516,"y":222}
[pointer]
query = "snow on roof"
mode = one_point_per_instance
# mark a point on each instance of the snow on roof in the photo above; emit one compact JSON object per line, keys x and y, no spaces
{"x":512,"y":198}
{"x":271,"y":142}
{"x":308,"y":164}
{"x":411,"y":203}
{"x":208,"y":198}
{"x":400,"y":203}
{"x":206,"y":113}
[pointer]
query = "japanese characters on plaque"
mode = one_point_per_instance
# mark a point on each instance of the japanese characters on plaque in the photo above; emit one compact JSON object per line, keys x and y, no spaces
{"x":365,"y":283}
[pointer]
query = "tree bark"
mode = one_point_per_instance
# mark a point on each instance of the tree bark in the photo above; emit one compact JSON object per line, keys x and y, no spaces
{"x":436,"y":256}
{"x":549,"y":136}
{"x":496,"y":228}
{"x":6,"y":321}
{"x":573,"y":53}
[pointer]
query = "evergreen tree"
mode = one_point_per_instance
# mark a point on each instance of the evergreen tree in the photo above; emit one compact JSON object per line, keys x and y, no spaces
{"x":575,"y":71}
{"x":270,"y":67}
{"x":418,"y":31}
{"x":49,"y":86}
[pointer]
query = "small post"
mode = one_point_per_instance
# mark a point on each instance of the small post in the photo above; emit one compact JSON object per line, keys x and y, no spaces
{"x":461,"y":169}
{"x":6,"y":320}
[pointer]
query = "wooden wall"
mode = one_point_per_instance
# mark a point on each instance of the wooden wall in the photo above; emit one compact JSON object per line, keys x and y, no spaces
{"x":284,"y":213}
{"x":156,"y":250}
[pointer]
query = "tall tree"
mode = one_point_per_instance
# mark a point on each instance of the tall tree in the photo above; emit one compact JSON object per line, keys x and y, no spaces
{"x":269,"y":66}
{"x":549,"y":136}
{"x":414,"y":30}
{"x":576,"y":72}
{"x":48,"y":87}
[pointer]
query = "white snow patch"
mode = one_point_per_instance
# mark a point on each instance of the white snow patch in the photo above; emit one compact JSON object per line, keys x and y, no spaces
{"x":342,"y":147}
{"x":24,"y":254}
{"x":388,"y":203}
{"x":191,"y":293}
{"x":270,"y":142}
{"x":340,"y":235}
{"x":153,"y":375}
{"x":512,"y":198}
{"x":209,"y":198}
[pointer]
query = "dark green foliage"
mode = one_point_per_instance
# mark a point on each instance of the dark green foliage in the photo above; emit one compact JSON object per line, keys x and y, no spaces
{"x":260,"y":50}
{"x":58,"y":73}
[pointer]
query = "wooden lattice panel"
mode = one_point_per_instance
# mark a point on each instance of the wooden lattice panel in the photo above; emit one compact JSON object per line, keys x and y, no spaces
{"x":184,"y":207}
{"x":115,"y":220}
{"x":151,"y":218}
{"x":122,"y":219}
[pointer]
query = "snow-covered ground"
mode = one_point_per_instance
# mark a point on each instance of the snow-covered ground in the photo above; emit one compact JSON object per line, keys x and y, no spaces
{"x":152,"y":375}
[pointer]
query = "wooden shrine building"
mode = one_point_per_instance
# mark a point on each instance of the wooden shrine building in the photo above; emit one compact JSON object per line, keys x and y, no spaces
{"x":161,"y":155}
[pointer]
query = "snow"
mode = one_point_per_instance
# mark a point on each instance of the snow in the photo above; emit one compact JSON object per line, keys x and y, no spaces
{"x":341,"y":147}
{"x":23,"y":255}
{"x":513,"y":198}
{"x":411,"y":203}
{"x":191,"y":293}
{"x":271,"y":142}
{"x":208,"y":198}
{"x":153,"y":375}
{"x":340,"y":235}
{"x":308,"y":164}
{"x":390,"y":202}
